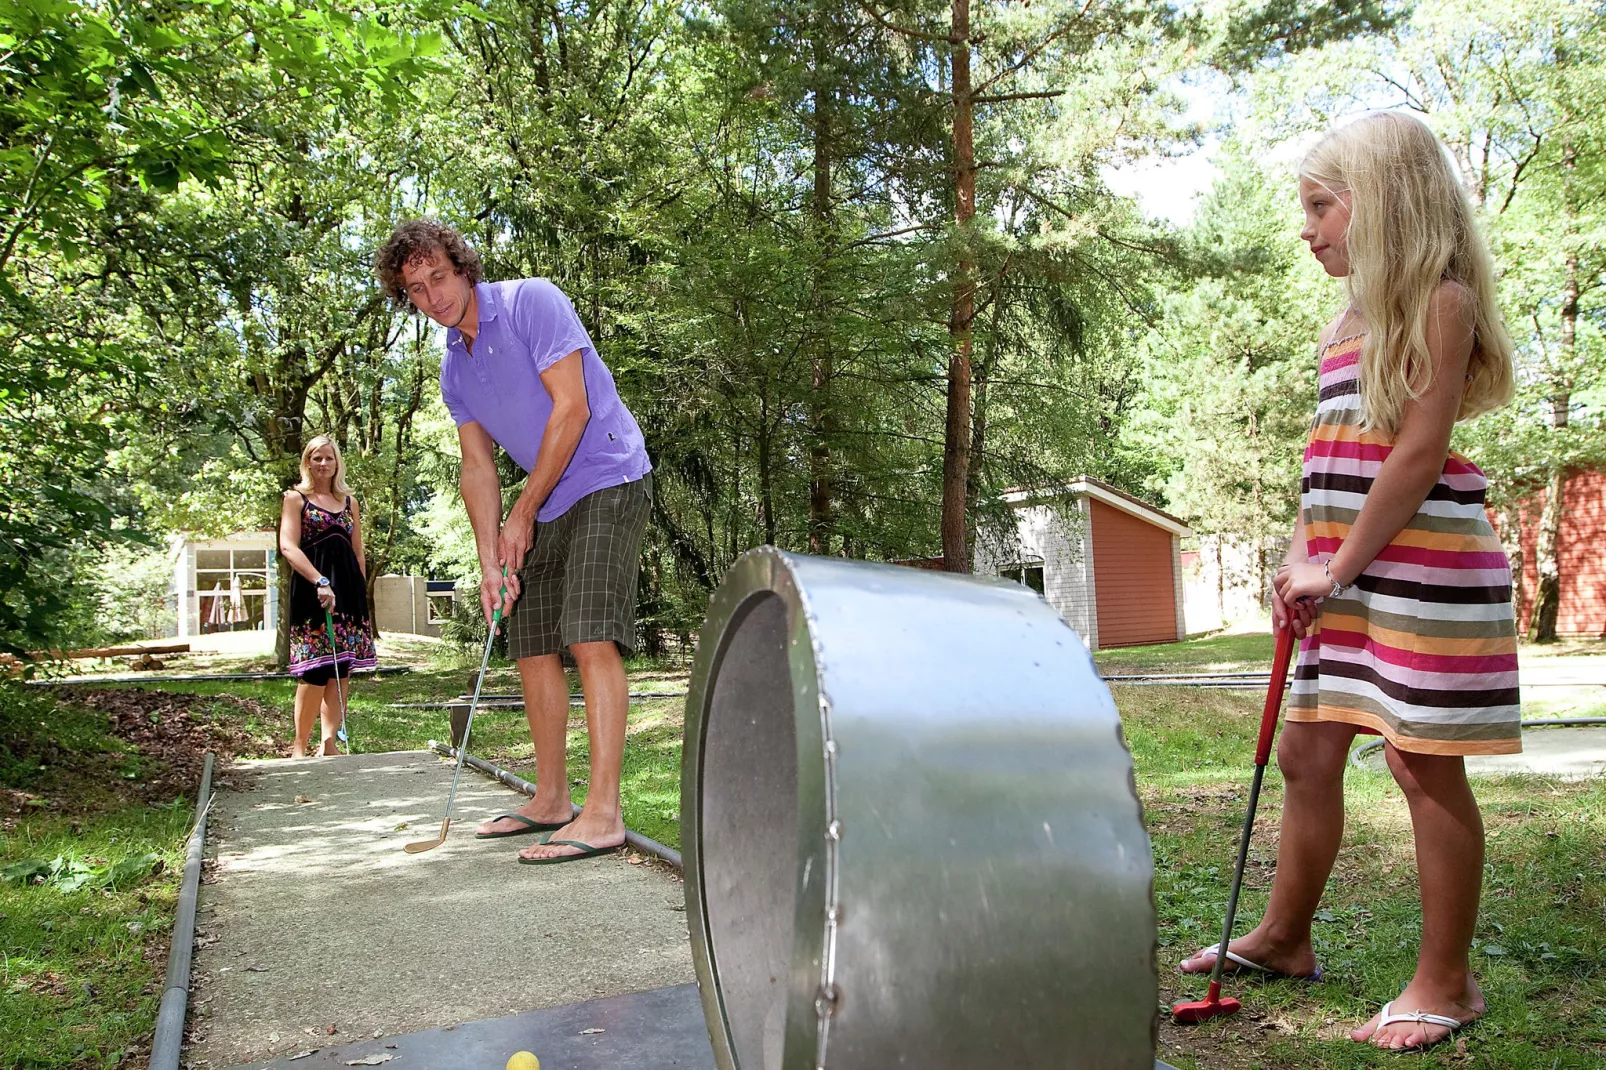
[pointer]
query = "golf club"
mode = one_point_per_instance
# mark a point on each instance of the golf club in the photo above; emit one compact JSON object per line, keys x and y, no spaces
{"x":340,"y":733}
{"x":1213,"y":1006}
{"x":418,"y":847}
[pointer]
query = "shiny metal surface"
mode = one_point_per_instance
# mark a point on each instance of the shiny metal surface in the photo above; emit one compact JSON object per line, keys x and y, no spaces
{"x":910,"y":830}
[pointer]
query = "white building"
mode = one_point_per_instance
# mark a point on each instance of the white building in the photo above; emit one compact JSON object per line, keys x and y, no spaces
{"x":232,"y":585}
{"x":1110,"y":563}
{"x":226,"y":585}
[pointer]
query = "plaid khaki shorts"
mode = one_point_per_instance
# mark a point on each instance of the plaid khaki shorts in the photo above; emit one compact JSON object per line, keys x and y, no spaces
{"x":579,"y":582}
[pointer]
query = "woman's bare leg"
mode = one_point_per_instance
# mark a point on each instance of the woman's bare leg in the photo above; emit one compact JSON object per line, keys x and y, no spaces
{"x":307,"y":698}
{"x":329,"y":711}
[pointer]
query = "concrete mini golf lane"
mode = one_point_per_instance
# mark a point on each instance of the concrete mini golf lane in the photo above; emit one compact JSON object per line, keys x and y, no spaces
{"x":315,"y":917}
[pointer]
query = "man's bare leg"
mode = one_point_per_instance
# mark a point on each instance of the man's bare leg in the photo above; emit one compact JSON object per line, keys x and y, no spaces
{"x":607,"y":691}
{"x":546,"y":708}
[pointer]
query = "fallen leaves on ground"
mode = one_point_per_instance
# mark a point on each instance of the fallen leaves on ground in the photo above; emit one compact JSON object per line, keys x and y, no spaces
{"x":165,"y":726}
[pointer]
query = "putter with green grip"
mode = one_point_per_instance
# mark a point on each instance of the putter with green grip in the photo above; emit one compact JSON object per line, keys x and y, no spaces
{"x":418,"y":847}
{"x":340,"y":733}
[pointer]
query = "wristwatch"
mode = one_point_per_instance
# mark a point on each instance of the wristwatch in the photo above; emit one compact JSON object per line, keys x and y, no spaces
{"x":323,"y":581}
{"x":1338,"y":588}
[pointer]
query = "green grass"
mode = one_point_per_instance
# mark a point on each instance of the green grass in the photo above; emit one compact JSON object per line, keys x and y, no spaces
{"x":1541,"y":940}
{"x":1214,"y":653}
{"x":651,"y":773}
{"x":90,"y":884}
{"x":1541,"y":937}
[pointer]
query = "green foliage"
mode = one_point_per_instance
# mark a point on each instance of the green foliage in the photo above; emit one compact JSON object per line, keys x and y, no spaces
{"x":63,"y":874}
{"x":83,"y":950}
{"x":111,"y":114}
{"x":134,"y":584}
{"x":1229,"y":384}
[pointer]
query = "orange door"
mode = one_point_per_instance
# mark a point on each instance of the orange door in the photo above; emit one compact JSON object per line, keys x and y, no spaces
{"x":1134,"y":589}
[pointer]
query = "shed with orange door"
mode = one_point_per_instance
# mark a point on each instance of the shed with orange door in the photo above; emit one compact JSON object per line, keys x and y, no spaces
{"x":1110,"y":562}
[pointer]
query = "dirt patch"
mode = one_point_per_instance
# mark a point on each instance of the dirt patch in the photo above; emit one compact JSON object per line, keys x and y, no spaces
{"x":172,"y":733}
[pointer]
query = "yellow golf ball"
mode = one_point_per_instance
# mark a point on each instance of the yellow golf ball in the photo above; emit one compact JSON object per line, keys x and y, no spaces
{"x":523,"y":1060}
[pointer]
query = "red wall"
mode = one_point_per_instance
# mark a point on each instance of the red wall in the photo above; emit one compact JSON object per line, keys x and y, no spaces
{"x":1583,"y":541}
{"x":1134,"y":589}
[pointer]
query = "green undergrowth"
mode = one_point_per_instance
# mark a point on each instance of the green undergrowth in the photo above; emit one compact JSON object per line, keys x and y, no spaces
{"x":88,"y":885}
{"x":1540,"y":950}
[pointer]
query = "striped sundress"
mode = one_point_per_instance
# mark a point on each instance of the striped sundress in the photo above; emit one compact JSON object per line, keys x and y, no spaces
{"x":1423,"y":648}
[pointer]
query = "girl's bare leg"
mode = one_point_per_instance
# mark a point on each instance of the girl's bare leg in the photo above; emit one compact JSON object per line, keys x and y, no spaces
{"x":1449,"y":866}
{"x":1311,"y":756}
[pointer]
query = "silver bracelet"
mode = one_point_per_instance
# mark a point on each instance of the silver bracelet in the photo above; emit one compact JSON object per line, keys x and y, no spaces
{"x":1338,"y":588}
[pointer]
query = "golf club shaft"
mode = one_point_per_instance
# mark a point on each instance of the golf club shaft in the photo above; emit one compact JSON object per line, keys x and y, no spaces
{"x":1268,"y":731}
{"x":1237,"y":876}
{"x":329,"y":622}
{"x":468,"y":726}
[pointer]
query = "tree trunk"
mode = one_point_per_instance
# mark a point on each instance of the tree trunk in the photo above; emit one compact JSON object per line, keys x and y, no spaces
{"x":1547,"y":565}
{"x":978,"y":446}
{"x":1547,"y":558}
{"x":956,"y":435}
{"x":823,"y":370}
{"x":766,"y":475}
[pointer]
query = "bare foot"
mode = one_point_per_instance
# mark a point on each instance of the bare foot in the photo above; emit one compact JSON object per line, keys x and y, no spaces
{"x":1299,"y":961}
{"x":331,"y":747}
{"x":598,"y":832}
{"x":298,"y":752}
{"x":1464,"y":1006}
{"x":546,"y":814}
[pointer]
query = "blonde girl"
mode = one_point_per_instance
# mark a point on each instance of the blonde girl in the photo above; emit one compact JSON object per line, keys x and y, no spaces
{"x":320,"y":535}
{"x":1394,"y":579}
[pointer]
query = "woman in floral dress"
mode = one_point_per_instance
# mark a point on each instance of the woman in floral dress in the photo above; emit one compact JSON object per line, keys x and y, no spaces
{"x":320,"y":535}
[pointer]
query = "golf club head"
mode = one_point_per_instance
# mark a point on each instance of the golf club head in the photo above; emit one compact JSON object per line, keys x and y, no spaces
{"x":418,"y":847}
{"x":1202,"y":1010}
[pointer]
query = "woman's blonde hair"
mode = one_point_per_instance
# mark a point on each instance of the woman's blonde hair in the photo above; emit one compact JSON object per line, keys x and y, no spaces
{"x":338,"y":484}
{"x":1411,"y":228}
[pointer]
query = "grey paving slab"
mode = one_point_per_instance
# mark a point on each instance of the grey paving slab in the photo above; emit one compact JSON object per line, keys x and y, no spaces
{"x":315,"y":917}
{"x":1572,"y":753}
{"x":661,"y":1030}
{"x":658,"y":1030}
{"x":1567,"y":753}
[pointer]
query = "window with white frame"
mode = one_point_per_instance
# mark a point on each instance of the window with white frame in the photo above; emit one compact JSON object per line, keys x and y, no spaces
{"x":231,"y":588}
{"x":1027,"y":573}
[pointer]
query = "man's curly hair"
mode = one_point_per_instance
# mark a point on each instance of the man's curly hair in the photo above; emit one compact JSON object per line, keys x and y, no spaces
{"x":419,"y":239}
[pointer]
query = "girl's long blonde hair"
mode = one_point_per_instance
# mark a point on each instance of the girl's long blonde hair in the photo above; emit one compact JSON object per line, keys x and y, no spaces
{"x":1411,"y":228}
{"x":338,"y":484}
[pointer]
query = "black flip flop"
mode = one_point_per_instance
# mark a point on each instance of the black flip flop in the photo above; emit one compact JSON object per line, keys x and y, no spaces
{"x":586,"y":851}
{"x":534,"y":826}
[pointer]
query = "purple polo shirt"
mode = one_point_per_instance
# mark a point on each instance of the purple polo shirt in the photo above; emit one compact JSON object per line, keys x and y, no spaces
{"x":526,"y":326}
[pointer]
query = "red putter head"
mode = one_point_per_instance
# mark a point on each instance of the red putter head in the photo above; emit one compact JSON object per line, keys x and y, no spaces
{"x":1202,"y":1010}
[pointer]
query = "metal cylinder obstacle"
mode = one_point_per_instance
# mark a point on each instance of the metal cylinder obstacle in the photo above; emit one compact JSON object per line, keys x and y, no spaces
{"x":910,"y":829}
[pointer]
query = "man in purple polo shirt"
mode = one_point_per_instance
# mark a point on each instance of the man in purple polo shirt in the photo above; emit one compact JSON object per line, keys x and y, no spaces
{"x":520,"y":372}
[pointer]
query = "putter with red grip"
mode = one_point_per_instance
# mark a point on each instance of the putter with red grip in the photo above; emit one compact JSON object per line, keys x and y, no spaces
{"x":1213,"y":1006}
